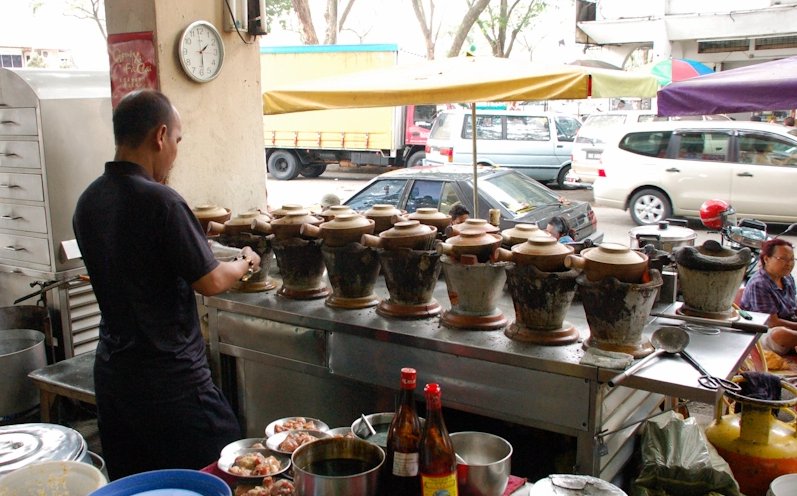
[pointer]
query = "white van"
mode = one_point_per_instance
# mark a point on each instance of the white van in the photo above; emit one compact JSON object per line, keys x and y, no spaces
{"x":535,"y":144}
{"x":588,"y":147}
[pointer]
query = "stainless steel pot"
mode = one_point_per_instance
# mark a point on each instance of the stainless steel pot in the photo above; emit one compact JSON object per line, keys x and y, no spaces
{"x":24,"y":444}
{"x":663,"y":236}
{"x":21,"y":352}
{"x":337,"y":466}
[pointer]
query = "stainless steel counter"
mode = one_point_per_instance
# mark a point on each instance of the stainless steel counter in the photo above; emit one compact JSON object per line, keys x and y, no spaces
{"x":339,"y":363}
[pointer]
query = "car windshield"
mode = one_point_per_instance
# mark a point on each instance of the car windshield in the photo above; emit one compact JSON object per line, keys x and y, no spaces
{"x":598,"y":126}
{"x":386,"y":191}
{"x":444,"y":126}
{"x":517,"y":193}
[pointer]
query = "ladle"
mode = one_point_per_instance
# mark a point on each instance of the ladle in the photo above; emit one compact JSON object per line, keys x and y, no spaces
{"x":368,"y":424}
{"x":665,"y":340}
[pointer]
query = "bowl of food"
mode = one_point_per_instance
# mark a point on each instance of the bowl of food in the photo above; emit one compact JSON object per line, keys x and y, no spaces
{"x":341,"y":432}
{"x":253,"y":463}
{"x":295,"y":423}
{"x":487,"y":464}
{"x":289,"y":441}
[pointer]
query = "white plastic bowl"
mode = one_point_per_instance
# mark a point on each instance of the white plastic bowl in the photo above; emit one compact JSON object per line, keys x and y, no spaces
{"x":785,"y":485}
{"x":52,"y":479}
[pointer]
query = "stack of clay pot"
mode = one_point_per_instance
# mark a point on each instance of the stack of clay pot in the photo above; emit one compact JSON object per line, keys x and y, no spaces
{"x":298,"y":258}
{"x":542,"y":290}
{"x":474,"y":281}
{"x":237,"y":232}
{"x":330,"y":213}
{"x":710,"y":277}
{"x":382,"y":215}
{"x":411,"y":269}
{"x":351,"y":267}
{"x":428,"y":216}
{"x":471,"y":224}
{"x":618,"y":291}
{"x":208,"y":212}
{"x":520,"y":234}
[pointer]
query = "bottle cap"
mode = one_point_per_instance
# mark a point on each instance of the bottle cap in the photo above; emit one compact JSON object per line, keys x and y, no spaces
{"x":408,"y":376}
{"x":432,"y":389}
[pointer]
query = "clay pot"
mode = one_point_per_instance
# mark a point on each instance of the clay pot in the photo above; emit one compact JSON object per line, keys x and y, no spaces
{"x":285,"y":210}
{"x":340,"y":231}
{"x":471,"y":242}
{"x":409,"y":234}
{"x":520,"y":233}
{"x":710,"y":277}
{"x":543,"y":252}
{"x":335,"y":210}
{"x":429,"y":216}
{"x":471,"y":224}
{"x":288,"y":226}
{"x":610,"y":259}
{"x":382,"y":215}
{"x":210,"y":212}
{"x":238,"y":224}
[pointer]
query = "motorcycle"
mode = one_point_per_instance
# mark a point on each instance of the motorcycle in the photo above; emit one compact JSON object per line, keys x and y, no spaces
{"x":746,"y":233}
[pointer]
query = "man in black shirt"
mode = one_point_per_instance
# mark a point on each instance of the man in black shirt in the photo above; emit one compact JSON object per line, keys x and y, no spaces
{"x":146,"y":254}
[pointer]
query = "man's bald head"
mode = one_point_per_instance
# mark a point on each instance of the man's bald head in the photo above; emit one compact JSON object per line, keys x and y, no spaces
{"x":138,"y":114}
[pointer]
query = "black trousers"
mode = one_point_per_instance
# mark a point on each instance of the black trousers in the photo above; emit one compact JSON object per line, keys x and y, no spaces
{"x":187,"y":430}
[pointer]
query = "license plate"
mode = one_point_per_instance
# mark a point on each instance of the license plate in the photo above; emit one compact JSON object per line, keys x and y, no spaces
{"x":593,"y":156}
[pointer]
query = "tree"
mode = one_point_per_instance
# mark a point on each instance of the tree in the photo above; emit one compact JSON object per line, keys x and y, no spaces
{"x":334,"y":24}
{"x":88,"y":9}
{"x":427,"y":25}
{"x":475,"y":8}
{"x":36,"y":61}
{"x":501,"y":26}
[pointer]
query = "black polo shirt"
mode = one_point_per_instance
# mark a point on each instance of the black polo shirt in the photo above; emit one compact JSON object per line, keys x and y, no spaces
{"x":143,"y":248}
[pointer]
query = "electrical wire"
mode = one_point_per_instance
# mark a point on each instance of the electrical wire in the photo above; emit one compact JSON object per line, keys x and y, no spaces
{"x":235,"y":23}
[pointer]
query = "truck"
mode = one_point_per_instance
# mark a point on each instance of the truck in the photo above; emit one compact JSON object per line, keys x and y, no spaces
{"x":306,"y":142}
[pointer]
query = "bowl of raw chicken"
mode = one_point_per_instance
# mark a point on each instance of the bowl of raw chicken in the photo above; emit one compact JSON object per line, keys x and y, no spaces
{"x":253,"y":463}
{"x":295,"y":423}
{"x":289,"y":441}
{"x":269,"y":486}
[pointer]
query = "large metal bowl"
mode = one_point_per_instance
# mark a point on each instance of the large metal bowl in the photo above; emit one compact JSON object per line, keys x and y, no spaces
{"x":487,"y":463}
{"x":381,"y":424}
{"x":337,"y":466}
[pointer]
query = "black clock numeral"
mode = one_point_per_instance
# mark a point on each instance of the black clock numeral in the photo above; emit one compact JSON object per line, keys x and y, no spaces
{"x":187,"y":41}
{"x":201,"y":72}
{"x":193,"y":69}
{"x":200,"y":31}
{"x":187,"y":61}
{"x":213,"y":62}
{"x":213,"y":42}
{"x":216,"y":51}
{"x":185,"y":51}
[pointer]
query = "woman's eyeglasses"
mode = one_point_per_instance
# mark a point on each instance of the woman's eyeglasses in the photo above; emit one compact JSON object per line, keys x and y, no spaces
{"x":785,"y":260}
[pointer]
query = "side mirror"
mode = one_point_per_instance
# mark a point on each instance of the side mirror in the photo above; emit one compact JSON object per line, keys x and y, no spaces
{"x":792,"y":229}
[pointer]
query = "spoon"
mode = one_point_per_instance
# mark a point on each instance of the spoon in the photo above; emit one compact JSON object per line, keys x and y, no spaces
{"x":368,"y":424}
{"x":666,"y":340}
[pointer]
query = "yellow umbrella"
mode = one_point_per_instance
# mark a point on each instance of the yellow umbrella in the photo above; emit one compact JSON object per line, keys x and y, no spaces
{"x":458,"y":79}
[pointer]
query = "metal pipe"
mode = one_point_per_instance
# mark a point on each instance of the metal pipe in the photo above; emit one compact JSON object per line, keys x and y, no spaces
{"x":475,"y":174}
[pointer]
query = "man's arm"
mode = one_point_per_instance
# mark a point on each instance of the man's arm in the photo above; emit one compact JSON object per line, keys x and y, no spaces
{"x":225,"y":274}
{"x":775,"y":321}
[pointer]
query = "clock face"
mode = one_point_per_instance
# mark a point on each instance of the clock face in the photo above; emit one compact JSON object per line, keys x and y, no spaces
{"x":201,"y":52}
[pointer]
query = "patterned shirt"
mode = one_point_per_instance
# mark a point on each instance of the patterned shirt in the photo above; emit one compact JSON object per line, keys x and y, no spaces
{"x":763,"y":295}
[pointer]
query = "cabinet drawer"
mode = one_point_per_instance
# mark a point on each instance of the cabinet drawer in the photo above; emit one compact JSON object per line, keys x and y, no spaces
{"x":23,"y":218}
{"x":21,"y":187}
{"x":24,"y":249}
{"x":18,"y":122}
{"x":22,"y":154}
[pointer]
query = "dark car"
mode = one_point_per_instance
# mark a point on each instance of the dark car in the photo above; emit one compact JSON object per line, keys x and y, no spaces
{"x":520,"y":199}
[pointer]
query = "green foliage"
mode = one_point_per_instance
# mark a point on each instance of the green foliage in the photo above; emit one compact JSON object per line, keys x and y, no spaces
{"x":36,"y":61}
{"x":276,"y":11}
{"x":500,"y":24}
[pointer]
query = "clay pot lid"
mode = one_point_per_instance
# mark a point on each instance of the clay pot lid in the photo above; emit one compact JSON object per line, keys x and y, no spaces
{"x":613,"y":254}
{"x":521,"y":231}
{"x":246,"y":218}
{"x":407,"y":228}
{"x":382,"y":210}
{"x":288,"y":208}
{"x":297,"y":217}
{"x":207,"y":210}
{"x":473,"y":237}
{"x":428,"y":213}
{"x":346,"y":221}
{"x":479,"y":224}
{"x":338,"y":210}
{"x":542,"y":246}
{"x":666,"y":231}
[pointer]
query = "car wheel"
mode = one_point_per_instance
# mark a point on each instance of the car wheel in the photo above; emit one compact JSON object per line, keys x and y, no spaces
{"x":561,"y":179}
{"x":313,"y":170}
{"x":416,"y":159}
{"x":649,"y":206}
{"x":283,"y":165}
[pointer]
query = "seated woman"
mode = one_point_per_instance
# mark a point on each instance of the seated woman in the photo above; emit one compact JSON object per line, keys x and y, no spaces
{"x":560,"y":229}
{"x":771,"y":290}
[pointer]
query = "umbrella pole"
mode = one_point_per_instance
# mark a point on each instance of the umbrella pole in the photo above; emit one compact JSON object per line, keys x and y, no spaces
{"x":473,"y":139}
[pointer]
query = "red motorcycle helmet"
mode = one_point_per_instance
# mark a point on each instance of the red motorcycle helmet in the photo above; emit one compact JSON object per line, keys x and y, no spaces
{"x":716,"y":214}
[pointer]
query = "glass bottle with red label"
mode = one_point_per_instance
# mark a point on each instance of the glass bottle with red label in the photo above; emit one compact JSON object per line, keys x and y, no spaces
{"x":403,"y":442}
{"x":437,"y":464}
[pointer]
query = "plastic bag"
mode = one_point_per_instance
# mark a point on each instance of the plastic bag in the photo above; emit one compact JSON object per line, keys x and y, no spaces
{"x":677,"y":459}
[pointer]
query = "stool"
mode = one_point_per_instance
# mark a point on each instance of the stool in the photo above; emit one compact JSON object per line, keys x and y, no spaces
{"x":72,"y":378}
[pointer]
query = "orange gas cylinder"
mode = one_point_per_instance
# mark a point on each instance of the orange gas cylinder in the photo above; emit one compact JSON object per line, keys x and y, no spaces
{"x":757,"y":446}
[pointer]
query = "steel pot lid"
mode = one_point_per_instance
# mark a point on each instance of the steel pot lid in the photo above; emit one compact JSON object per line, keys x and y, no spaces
{"x":407,"y":228}
{"x":542,"y":246}
{"x":347,"y":221}
{"x":427,"y":213}
{"x":382,"y":210}
{"x":207,"y":210}
{"x":613,"y":254}
{"x":665,"y":232}
{"x":24,"y":444}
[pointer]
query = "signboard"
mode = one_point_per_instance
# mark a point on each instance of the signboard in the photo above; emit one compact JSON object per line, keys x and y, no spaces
{"x":132,"y":60}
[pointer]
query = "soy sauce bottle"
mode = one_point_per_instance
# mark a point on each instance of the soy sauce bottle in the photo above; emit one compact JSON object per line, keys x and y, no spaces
{"x":438,"y":464}
{"x":403,"y":442}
